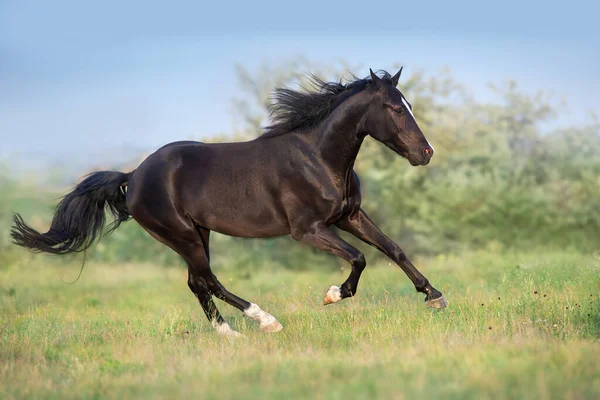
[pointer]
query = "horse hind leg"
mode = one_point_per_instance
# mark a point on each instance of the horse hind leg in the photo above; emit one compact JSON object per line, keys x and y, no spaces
{"x":267,"y":322}
{"x":181,"y":236}
{"x":200,"y":290}
{"x":191,"y":242}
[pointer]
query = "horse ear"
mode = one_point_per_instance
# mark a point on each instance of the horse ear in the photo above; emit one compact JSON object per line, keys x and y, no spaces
{"x":376,"y":80}
{"x":396,"y":77}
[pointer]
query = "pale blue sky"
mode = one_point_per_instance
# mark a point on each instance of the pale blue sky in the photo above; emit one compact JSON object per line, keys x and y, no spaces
{"x":78,"y":80}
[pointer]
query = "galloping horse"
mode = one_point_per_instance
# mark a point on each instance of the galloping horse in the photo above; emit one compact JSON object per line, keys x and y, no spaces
{"x":296,"y":179}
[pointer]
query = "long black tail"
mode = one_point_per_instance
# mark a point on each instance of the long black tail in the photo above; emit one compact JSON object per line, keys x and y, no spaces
{"x":79,"y":217}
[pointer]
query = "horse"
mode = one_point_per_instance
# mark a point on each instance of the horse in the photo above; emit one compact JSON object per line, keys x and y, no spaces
{"x":296,"y":179}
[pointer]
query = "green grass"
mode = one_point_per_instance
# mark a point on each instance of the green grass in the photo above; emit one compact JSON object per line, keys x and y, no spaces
{"x":135,"y":331}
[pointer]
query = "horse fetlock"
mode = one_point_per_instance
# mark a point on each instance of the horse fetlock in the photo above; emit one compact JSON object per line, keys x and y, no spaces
{"x":430,"y":291}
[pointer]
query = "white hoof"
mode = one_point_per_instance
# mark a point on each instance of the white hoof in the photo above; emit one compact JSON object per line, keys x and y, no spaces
{"x":333,"y":295}
{"x":223,"y":329}
{"x":273,"y":327}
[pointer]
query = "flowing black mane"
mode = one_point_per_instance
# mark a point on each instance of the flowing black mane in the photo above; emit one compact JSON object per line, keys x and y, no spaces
{"x":292,"y":109}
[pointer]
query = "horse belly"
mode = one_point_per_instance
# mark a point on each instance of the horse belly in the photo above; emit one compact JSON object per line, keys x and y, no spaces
{"x":233,"y":190}
{"x":241,"y":213}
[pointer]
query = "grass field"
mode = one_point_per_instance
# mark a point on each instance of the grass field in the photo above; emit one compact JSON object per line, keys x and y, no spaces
{"x":518,"y":326}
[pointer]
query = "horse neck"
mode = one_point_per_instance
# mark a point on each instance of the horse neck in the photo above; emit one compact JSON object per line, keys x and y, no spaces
{"x":338,"y":139}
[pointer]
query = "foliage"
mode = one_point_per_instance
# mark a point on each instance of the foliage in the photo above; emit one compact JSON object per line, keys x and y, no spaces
{"x":497,"y":180}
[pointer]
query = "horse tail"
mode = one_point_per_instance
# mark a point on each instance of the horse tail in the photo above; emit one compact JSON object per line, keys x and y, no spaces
{"x":79,"y":217}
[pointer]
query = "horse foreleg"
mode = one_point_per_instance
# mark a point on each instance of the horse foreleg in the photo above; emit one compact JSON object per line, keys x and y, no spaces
{"x":319,"y":236}
{"x":360,"y":225}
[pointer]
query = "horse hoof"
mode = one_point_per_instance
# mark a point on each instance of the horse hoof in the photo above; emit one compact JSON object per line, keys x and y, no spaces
{"x":230,"y":334}
{"x":223,"y":329}
{"x":333,"y":295}
{"x":272,"y":327}
{"x":440,"y":302}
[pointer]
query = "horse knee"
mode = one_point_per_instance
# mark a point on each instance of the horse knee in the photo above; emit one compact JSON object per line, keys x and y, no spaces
{"x":191,"y":285}
{"x":359,"y":262}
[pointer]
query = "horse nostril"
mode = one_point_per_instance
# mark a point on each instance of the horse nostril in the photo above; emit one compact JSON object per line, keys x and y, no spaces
{"x":428,"y":152}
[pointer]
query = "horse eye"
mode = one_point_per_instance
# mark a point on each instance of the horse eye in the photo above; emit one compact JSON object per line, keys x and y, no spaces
{"x":398,"y":110}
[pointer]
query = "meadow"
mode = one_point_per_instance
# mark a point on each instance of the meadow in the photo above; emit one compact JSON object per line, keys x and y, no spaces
{"x":520,"y":325}
{"x":505,"y":222}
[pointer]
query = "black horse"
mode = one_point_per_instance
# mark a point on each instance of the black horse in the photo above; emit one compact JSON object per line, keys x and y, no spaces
{"x":297,"y":179}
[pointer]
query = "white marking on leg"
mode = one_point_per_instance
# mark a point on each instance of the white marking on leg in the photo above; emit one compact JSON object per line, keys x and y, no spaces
{"x":333,"y":295}
{"x":224,"y":329}
{"x":267,"y":321}
{"x":257,"y":314}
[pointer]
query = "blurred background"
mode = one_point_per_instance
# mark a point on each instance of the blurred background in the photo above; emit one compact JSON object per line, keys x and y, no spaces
{"x":506,"y":93}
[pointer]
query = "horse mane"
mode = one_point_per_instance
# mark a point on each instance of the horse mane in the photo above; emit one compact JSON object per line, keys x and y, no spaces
{"x":292,"y":109}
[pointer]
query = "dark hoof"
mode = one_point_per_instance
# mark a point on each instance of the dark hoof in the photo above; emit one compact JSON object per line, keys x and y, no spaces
{"x":440,"y":302}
